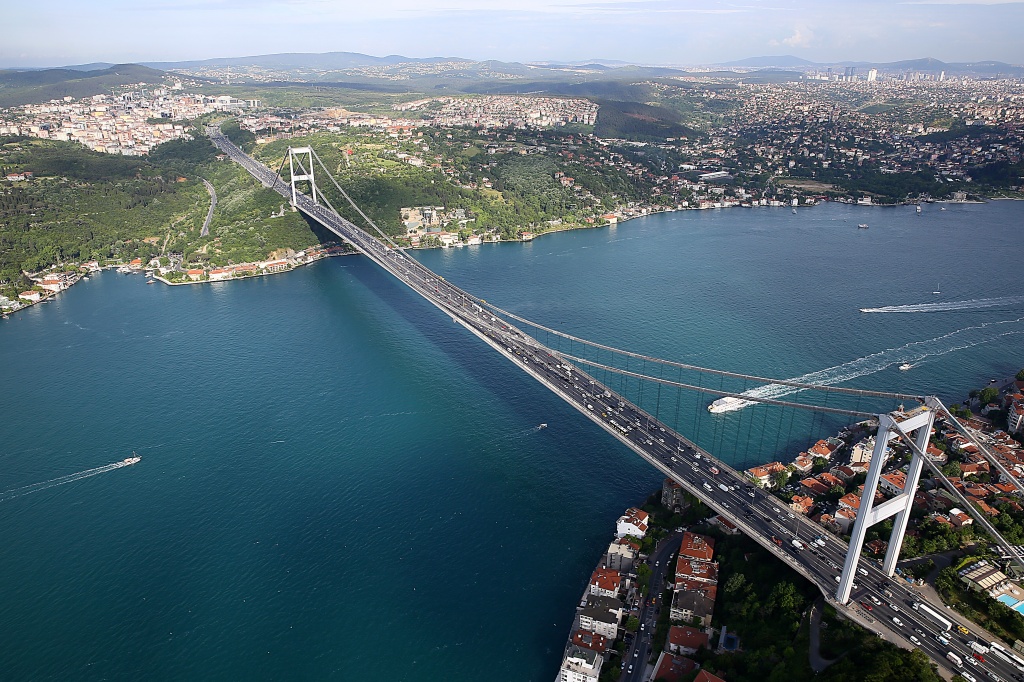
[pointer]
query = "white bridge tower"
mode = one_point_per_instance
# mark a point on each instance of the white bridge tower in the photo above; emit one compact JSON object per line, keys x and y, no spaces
{"x":306,"y":175}
{"x":897,"y":425}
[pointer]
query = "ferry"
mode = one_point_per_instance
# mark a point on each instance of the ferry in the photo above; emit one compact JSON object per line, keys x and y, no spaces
{"x":905,"y":366}
{"x":727,"y":404}
{"x":862,"y":226}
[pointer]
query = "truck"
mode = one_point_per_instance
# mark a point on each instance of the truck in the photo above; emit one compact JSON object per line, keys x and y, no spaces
{"x":954,"y":659}
{"x":797,"y":545}
{"x":978,"y":646}
{"x":934,"y":616}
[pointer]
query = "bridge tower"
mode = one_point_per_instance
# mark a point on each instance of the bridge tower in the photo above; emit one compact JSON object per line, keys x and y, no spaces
{"x":301,"y":152}
{"x":918,"y":421}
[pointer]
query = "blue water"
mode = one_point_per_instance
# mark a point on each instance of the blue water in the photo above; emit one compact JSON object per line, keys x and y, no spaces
{"x":338,"y":482}
{"x":1017,"y":606}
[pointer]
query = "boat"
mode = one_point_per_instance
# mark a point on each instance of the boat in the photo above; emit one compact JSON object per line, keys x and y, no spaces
{"x":862,"y":226}
{"x":936,"y":289}
{"x":150,"y":281}
{"x":794,"y":211}
{"x":134,"y":459}
{"x":943,"y":208}
{"x":728,"y":404}
{"x":905,"y":366}
{"x":919,"y":209}
{"x":543,"y":426}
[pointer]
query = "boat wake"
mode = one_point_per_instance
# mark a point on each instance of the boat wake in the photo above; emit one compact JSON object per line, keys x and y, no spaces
{"x":972,"y":304}
{"x":908,"y":354}
{"x":64,"y":480}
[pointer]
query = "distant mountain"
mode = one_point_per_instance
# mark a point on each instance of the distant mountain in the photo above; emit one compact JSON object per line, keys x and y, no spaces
{"x":24,"y":87}
{"x":785,"y":61}
{"x":328,"y":61}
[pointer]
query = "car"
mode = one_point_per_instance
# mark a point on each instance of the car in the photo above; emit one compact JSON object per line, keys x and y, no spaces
{"x":963,"y":630}
{"x":969,"y":677}
{"x":919,"y":631}
{"x":636,"y":652}
{"x":915,"y":640}
{"x":897,"y":621}
{"x":630,"y":668}
{"x":879,"y":602}
{"x":866,"y":605}
{"x":751,"y":493}
{"x":862,"y":571}
{"x":995,"y":677}
{"x":894,"y":607}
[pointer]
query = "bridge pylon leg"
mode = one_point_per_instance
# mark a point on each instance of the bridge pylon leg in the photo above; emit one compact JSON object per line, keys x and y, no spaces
{"x":868,"y":514}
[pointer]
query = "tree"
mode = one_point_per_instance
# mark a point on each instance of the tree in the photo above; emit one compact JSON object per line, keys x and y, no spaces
{"x":988,"y":394}
{"x":780,"y":478}
{"x":632,"y":624}
{"x":1020,"y":375}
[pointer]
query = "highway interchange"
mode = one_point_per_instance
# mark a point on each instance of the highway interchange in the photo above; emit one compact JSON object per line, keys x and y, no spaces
{"x":759,"y":515}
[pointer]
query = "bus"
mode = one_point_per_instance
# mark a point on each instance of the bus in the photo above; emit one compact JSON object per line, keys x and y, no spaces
{"x":934,"y":616}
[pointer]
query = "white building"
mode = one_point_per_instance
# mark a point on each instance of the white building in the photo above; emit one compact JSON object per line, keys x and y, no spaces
{"x":580,"y":665}
{"x":633,"y":522}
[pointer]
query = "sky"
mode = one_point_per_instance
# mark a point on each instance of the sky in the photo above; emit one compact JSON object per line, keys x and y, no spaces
{"x":670,"y":32}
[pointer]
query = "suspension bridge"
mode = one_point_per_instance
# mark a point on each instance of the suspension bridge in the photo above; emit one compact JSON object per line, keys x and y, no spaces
{"x":610,"y":393}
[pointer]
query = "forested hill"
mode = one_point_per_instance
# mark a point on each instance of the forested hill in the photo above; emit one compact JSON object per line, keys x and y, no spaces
{"x":26,"y":87}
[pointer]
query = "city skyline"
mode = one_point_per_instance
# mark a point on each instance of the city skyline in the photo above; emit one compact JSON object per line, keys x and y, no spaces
{"x":638,"y":31}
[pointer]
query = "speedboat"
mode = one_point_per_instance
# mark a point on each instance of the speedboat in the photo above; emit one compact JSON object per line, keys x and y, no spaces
{"x":543,"y":426}
{"x":905,"y":366}
{"x":863,"y":226}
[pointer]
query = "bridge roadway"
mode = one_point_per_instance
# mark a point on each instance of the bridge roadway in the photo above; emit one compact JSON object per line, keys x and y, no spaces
{"x":756,"y":513}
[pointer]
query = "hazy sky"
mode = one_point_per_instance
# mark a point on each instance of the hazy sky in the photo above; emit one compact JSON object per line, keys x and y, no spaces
{"x":61,"y":32}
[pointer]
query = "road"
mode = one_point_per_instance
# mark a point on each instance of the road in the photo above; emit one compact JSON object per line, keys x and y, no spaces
{"x":213,"y":204}
{"x":635,"y":660}
{"x":756,"y":513}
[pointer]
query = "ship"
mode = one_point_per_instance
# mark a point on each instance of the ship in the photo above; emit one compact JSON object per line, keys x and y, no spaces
{"x":128,"y":461}
{"x":862,"y":226}
{"x":728,"y":404}
{"x":905,"y":366}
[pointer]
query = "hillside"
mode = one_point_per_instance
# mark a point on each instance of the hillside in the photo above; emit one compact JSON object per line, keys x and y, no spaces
{"x":26,"y":87}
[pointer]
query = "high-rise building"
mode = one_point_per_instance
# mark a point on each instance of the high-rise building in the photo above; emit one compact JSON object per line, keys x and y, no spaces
{"x":872,"y":75}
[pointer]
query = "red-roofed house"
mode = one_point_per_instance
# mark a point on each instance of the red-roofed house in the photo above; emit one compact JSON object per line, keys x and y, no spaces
{"x":673,"y":668}
{"x":801,"y":505}
{"x":682,"y":639}
{"x":893,"y":482}
{"x":697,"y":546}
{"x":764,"y":473}
{"x":705,"y":676}
{"x":821,"y":449}
{"x":634,"y":522}
{"x":813,"y":486}
{"x":605,"y":582}
{"x":849,"y":501}
{"x":694,"y":570}
{"x":590,"y":640}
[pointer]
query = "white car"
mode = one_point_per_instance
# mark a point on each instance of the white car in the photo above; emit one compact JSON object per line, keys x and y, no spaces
{"x":969,"y":677}
{"x":915,"y":640}
{"x":894,"y":607}
{"x":897,"y":621}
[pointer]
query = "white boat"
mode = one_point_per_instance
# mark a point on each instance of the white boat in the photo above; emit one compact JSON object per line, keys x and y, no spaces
{"x":905,"y":366}
{"x":728,"y":404}
{"x":919,"y":210}
{"x":543,"y":426}
{"x":863,"y":226}
{"x":134,"y":459}
{"x":936,"y":289}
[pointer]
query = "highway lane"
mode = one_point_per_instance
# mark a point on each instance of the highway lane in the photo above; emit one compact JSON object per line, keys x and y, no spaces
{"x":756,"y":513}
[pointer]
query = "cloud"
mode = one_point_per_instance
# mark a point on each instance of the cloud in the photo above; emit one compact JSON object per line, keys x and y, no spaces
{"x":802,"y":37}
